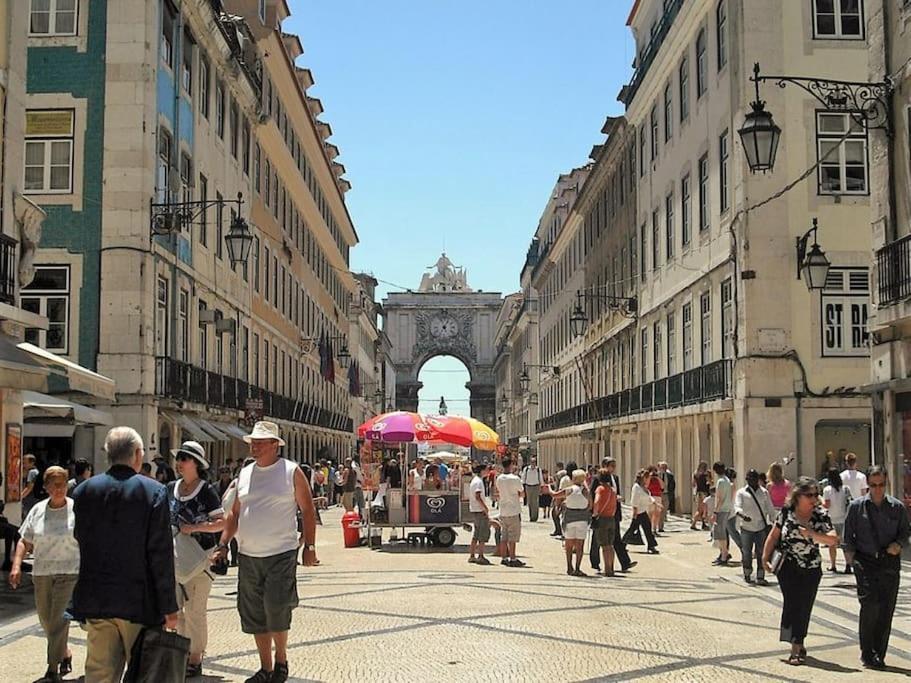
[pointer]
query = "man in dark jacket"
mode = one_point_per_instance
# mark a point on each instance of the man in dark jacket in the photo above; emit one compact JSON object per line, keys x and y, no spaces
{"x":126,"y":568}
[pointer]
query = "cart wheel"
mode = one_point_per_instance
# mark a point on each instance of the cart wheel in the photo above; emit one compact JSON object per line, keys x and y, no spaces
{"x":443,"y":536}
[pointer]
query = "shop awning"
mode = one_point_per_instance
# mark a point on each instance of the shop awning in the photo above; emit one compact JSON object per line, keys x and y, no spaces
{"x":18,"y":369}
{"x":79,"y":378}
{"x":215,"y":432}
{"x":235,"y":431}
{"x":37,"y":406}
{"x":48,"y":431}
{"x":193,"y":428}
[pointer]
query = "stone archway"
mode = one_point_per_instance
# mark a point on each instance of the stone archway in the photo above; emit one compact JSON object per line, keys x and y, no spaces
{"x":444,"y":318}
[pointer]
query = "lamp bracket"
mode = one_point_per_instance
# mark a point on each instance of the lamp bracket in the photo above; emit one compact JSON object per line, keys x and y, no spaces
{"x":802,"y":246}
{"x":169,"y":217}
{"x":866,"y":103}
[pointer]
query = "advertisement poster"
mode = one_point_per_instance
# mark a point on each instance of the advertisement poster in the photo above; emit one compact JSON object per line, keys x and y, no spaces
{"x":13,"y":462}
{"x":430,"y":509}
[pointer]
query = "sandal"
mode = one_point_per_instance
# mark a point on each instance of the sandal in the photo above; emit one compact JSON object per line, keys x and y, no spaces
{"x":795,"y":660}
{"x":579,"y":572}
{"x":66,"y":666}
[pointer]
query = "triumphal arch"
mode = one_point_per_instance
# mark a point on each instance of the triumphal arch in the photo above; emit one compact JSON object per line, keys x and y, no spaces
{"x":444,"y":317}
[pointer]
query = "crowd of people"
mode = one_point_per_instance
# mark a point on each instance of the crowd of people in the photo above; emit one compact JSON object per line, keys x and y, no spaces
{"x":170,"y":531}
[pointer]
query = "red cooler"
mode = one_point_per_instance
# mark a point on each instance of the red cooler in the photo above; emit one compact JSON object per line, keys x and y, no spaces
{"x":351,"y":528}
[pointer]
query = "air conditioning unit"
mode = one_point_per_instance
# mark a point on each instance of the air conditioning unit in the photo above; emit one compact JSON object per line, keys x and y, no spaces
{"x":207,"y":316}
{"x":225,"y":326}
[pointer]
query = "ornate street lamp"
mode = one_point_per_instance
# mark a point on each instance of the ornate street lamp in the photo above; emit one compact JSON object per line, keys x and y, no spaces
{"x":239,"y":240}
{"x":813,"y":265}
{"x":627,"y":305}
{"x":578,"y":321}
{"x":866,"y":103}
{"x":344,"y":357}
{"x":760,"y":134}
{"x":524,"y":379}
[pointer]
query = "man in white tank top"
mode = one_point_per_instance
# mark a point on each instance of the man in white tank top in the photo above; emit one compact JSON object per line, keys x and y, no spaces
{"x":270,"y":491}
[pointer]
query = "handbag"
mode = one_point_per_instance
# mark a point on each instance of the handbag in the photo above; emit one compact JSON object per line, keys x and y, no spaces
{"x":158,"y":656}
{"x":776,"y":561}
{"x":190,"y":559}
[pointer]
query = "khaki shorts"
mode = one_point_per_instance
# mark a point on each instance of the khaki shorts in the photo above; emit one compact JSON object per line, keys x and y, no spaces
{"x":266,"y":592}
{"x":511,"y":529}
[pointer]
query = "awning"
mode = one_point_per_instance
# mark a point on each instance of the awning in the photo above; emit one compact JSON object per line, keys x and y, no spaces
{"x":19,"y":370}
{"x":80,"y":378}
{"x":194,"y":429}
{"x":233,"y":430}
{"x":39,"y":406}
{"x":216,"y":433}
{"x":47,"y":430}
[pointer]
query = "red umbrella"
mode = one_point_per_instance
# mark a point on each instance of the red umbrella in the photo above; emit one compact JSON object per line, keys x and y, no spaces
{"x":462,"y":431}
{"x":395,"y":427}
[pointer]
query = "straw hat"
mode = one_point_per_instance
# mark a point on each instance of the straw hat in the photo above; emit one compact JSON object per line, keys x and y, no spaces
{"x":265,"y":430}
{"x":195,"y":451}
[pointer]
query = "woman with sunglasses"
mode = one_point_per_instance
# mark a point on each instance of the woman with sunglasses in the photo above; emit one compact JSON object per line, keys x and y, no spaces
{"x":196,"y":510}
{"x":801,"y":526}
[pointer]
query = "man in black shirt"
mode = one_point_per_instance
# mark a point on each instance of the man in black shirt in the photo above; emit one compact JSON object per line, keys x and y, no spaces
{"x":876,"y":529}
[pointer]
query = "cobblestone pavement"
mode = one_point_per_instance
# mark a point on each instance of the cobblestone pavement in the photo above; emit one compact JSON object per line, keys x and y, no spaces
{"x":406,"y":614}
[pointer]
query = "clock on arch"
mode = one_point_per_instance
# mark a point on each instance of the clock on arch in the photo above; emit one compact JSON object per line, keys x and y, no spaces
{"x":444,"y":327}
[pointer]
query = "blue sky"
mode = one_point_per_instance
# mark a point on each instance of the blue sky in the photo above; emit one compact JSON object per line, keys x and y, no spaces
{"x":454,"y":119}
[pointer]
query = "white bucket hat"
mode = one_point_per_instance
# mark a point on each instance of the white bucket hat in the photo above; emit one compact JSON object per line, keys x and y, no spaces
{"x":195,"y":451}
{"x":265,"y":430}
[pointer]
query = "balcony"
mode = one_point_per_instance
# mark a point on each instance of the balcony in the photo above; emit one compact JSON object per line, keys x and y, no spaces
{"x":699,"y":385}
{"x":672,"y":7}
{"x":893,"y":271}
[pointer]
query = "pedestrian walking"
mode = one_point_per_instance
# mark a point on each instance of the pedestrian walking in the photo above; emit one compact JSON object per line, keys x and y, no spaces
{"x":701,"y":483}
{"x":836,"y":497}
{"x":620,"y":551}
{"x":196,"y":512}
{"x":798,"y":530}
{"x":82,"y":470}
{"x":480,"y":515}
{"x":732,"y":527}
{"x":656,"y":490}
{"x":876,"y":530}
{"x":778,"y":487}
{"x":359,"y":500}
{"x":576,"y":520}
{"x":28,"y":494}
{"x":753,"y":508}
{"x":270,"y":493}
{"x":604,"y":519}
{"x":668,"y":494}
{"x":855,"y":480}
{"x":349,"y":484}
{"x":724,"y":508}
{"x":642,"y":501}
{"x":546,"y":500}
{"x":531,"y":481}
{"x":47,"y":532}
{"x":510,"y":494}
{"x":126,"y":569}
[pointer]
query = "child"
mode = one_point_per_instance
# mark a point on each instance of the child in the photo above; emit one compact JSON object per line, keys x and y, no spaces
{"x":546,"y":500}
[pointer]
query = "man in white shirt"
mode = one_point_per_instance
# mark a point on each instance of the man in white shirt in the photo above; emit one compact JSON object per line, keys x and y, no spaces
{"x":531,"y":480}
{"x":754,"y":509}
{"x":855,"y":481}
{"x":510,"y":493}
{"x":724,"y":508}
{"x":416,"y":476}
{"x":480,"y":516}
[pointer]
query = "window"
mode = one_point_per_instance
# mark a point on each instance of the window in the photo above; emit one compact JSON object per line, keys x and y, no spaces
{"x":257,"y":171}
{"x":687,"y":337}
{"x":167,"y":38}
{"x":841,"y":145}
{"x":727,"y":319}
{"x":704,"y":192}
{"x":219,"y":225}
{"x":686,"y":210}
{"x":705,"y":308}
{"x":684,"y":78}
{"x":49,"y":151}
{"x":205,"y":72}
{"x":653,"y":117}
{"x":220,"y":109}
{"x":642,"y":135}
{"x":643,"y":357}
{"x":254,"y":254}
{"x":186,"y":69}
{"x":656,"y":239}
{"x":204,"y":214}
{"x":723,"y":154}
{"x":671,"y":327}
{"x":643,"y":251}
{"x":267,"y":386}
{"x":262,"y":10}
{"x":164,"y":166}
{"x":668,"y":112}
{"x":701,"y":66}
{"x":656,"y":350}
{"x":183,"y":325}
{"x":845,"y":304}
{"x":245,"y":355}
{"x":161,"y":318}
{"x":255,"y":378}
{"x":49,"y":295}
{"x":203,"y":338}
{"x":838,"y":18}
{"x":186,"y":170}
{"x":245,"y":147}
{"x":669,"y":236}
{"x":721,"y":33}
{"x":266,"y":270}
{"x":53,"y":18}
{"x":234,"y":128}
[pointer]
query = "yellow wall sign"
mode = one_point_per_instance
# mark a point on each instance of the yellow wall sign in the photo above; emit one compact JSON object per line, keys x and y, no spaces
{"x":45,"y":123}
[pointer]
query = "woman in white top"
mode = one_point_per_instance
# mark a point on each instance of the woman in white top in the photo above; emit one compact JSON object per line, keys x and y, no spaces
{"x":48,"y":532}
{"x":577,"y":517}
{"x":836,"y":497}
{"x":642,"y":501}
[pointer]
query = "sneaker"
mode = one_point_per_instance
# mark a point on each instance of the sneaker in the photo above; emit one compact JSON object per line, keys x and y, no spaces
{"x":748,"y":579}
{"x":194,"y":670}
{"x":718,"y":562}
{"x":482,"y":560}
{"x":762,"y":582}
{"x":261,"y":676}
{"x":280,"y":675}
{"x":472,"y":560}
{"x":629,"y":566}
{"x":516,"y":563}
{"x":505,"y":561}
